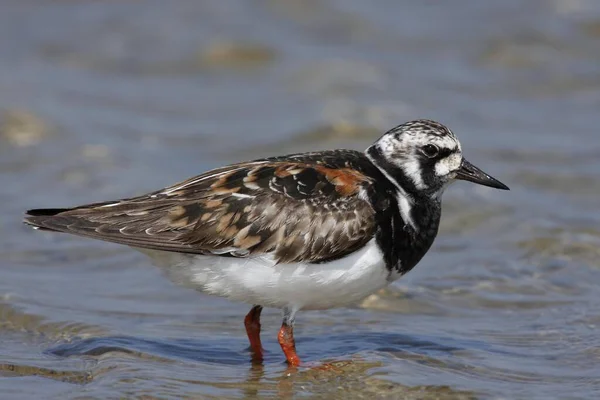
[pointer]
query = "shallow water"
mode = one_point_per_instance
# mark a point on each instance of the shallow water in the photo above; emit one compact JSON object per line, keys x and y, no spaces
{"x":102,"y":100}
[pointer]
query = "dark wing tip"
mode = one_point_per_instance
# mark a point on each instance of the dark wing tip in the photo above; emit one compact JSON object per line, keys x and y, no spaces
{"x":44,"y":211}
{"x":38,"y":218}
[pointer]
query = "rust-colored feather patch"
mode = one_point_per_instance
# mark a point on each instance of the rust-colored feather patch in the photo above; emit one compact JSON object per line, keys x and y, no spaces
{"x":347,"y":181}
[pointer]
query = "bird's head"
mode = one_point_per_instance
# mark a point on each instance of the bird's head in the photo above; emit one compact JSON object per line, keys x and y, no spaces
{"x":423,"y":157}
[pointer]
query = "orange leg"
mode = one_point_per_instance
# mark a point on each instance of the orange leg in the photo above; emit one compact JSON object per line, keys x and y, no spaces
{"x":252,"y":323}
{"x":286,"y":339}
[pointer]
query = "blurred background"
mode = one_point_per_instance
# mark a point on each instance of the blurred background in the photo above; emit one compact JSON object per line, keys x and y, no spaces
{"x":107,"y":99}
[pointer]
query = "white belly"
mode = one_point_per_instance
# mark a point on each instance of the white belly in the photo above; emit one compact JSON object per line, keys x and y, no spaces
{"x":258,"y":280}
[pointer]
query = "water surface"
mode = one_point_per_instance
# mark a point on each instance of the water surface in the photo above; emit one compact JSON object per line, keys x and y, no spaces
{"x":102,"y":100}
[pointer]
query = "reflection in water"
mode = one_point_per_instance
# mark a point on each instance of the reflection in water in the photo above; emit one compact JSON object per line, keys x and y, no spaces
{"x":270,"y":379}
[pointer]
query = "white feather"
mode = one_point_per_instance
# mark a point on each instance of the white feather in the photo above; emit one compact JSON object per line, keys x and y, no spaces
{"x":449,"y":164}
{"x":405,"y":206}
{"x":412,"y":169}
{"x":258,"y":280}
{"x":242,"y":195}
{"x":111,"y":205}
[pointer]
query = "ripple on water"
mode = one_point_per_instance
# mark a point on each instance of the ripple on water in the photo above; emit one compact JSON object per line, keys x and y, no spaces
{"x":339,"y":379}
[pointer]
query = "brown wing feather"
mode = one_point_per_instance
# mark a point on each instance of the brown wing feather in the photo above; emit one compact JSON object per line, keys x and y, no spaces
{"x":297,"y":211}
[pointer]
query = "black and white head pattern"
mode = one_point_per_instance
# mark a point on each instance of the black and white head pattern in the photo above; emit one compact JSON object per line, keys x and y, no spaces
{"x":420,"y":157}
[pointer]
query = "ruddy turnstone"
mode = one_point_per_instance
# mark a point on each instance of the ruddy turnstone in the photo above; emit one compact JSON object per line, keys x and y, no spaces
{"x":305,"y":231}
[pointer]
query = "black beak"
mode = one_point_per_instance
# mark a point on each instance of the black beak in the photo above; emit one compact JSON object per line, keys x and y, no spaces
{"x":469,"y":172}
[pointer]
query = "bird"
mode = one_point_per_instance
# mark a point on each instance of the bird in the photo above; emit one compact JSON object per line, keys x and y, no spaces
{"x":305,"y":231}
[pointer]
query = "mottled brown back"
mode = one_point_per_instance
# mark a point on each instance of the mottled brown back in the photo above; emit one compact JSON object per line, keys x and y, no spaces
{"x":307,"y":208}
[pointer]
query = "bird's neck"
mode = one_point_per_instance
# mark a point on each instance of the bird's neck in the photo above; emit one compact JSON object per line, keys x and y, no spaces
{"x":408,"y":231}
{"x":409,"y":224}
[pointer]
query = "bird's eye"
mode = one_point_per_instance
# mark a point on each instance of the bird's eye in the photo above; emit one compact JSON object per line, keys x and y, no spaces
{"x":431,"y":150}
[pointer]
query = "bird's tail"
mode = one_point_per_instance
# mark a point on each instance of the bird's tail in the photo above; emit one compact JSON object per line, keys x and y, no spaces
{"x":42,"y":218}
